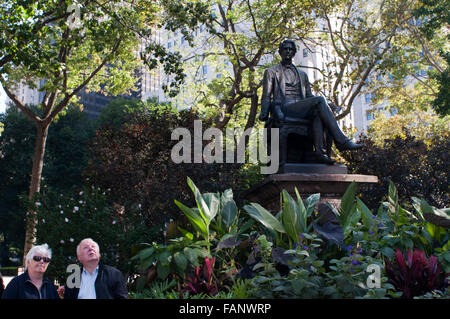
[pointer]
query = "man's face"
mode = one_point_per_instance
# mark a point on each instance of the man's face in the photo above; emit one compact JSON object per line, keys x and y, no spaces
{"x":287,"y":52}
{"x":88,"y":252}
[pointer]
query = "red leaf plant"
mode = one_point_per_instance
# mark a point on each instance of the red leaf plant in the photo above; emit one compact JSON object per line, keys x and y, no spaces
{"x":416,"y":274}
{"x":202,"y":281}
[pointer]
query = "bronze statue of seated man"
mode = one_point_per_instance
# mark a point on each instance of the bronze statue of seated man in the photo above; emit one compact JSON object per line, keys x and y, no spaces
{"x":287,"y":96}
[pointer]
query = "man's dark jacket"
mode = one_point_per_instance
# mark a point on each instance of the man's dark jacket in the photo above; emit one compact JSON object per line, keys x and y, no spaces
{"x":21,"y":287}
{"x":109,"y":284}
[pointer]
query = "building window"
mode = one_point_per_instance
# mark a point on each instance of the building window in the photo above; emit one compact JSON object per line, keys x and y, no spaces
{"x":205,"y":69}
{"x":169,"y":45}
{"x":368,"y":98}
{"x":370,"y":116}
{"x":305,"y":53}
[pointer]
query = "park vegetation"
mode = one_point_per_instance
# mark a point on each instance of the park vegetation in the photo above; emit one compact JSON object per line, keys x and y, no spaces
{"x":185,"y":230}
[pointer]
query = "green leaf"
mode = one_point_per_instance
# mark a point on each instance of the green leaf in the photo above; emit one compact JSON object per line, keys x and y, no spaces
{"x":212,"y":200}
{"x":245,"y":227}
{"x":162,"y":271}
{"x":201,"y":204}
{"x":301,"y":211}
{"x":181,"y":261}
{"x":195,"y":219}
{"x":164,"y":258}
{"x":146,"y":263}
{"x":366,"y":214}
{"x":229,"y":212}
{"x":311,"y":202}
{"x":259,"y":213}
{"x":436,"y":232}
{"x":290,"y":218}
{"x":347,"y":202}
{"x":144,"y":253}
{"x":192,"y":255}
{"x":227,"y":195}
{"x":388,"y":252}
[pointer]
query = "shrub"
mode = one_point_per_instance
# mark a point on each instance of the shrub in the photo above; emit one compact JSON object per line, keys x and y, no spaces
{"x":415,"y":169}
{"x":64,"y":220}
{"x":135,"y":163}
{"x":416,"y":275}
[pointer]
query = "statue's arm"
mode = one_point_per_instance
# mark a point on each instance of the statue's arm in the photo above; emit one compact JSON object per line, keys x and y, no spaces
{"x":308,"y":92}
{"x":266,"y":95}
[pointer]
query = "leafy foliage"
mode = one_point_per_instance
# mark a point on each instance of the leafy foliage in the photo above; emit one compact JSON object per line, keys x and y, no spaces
{"x":415,"y":169}
{"x":254,"y":265}
{"x":87,"y":213}
{"x":416,"y":275}
{"x":93,"y":49}
{"x":135,"y":163}
{"x":168,"y":261}
{"x":238,"y":40}
{"x":66,"y":157}
{"x":202,"y":281}
{"x":434,"y":17}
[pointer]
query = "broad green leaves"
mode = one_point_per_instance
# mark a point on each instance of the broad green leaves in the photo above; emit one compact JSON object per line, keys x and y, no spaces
{"x":216,"y":211}
{"x":263,"y":216}
{"x":293,"y":218}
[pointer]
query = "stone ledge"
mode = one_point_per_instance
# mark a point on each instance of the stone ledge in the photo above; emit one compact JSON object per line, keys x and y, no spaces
{"x":303,"y":177}
{"x":330,"y":186}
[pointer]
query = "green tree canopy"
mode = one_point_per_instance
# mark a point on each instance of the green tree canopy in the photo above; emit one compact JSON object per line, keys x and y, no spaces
{"x":71,"y":46}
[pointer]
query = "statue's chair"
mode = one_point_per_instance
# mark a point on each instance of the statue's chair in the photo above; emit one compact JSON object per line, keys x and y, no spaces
{"x":296,"y":137}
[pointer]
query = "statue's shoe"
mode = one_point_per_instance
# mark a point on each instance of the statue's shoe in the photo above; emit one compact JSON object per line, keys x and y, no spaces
{"x":349,"y":145}
{"x":322,"y":158}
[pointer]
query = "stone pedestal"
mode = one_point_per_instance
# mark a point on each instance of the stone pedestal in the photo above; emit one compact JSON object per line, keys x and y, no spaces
{"x":330,"y":186}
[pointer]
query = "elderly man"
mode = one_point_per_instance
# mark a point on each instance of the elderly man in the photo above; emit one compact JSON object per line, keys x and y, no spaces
{"x":287,"y":94}
{"x":98,"y":281}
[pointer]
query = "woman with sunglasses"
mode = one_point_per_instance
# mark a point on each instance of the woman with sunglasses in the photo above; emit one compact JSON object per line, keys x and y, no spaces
{"x":32,"y":284}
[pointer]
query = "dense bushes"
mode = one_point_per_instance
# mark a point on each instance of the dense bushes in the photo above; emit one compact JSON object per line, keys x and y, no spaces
{"x":135,"y":163}
{"x":65,"y":219}
{"x":415,"y":168}
{"x":65,"y":158}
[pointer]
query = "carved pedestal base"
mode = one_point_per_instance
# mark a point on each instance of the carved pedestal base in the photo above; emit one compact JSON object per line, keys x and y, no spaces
{"x":330,"y":186}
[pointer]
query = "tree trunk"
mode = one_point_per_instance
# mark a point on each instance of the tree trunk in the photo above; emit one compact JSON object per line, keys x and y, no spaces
{"x":253,"y":111}
{"x":38,"y":163}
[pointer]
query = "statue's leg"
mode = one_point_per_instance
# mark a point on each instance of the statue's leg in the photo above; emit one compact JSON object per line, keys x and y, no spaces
{"x":318,"y":138}
{"x":330,"y":123}
{"x":328,"y":120}
{"x":318,"y":135}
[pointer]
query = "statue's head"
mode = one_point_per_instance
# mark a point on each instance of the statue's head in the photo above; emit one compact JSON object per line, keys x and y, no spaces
{"x":287,"y":43}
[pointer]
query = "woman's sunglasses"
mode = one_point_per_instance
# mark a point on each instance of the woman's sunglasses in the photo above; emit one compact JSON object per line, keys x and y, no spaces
{"x":44,"y":259}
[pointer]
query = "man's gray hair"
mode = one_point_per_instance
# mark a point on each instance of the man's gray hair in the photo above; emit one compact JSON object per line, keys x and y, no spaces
{"x":42,"y":250}
{"x":90,"y":239}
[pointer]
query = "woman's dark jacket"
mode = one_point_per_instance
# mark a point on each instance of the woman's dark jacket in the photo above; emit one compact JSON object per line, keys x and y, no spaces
{"x":109,"y":284}
{"x":21,"y":287}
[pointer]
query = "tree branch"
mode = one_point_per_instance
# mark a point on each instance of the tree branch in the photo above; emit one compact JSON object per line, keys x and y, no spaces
{"x":67,"y":98}
{"x":19,"y":104}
